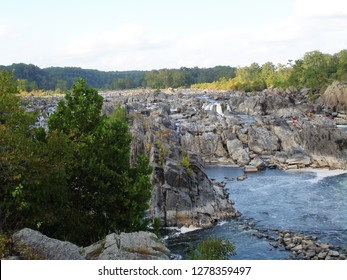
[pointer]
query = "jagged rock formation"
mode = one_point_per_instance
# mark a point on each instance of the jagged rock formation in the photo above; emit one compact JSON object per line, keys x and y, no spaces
{"x":125,"y":246}
{"x":182,"y":193}
{"x":180,"y":132}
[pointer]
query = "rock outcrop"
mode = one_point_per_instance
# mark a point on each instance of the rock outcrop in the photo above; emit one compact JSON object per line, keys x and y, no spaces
{"x":182,"y":193}
{"x":34,"y":245}
{"x":125,"y":246}
{"x":335,"y":97}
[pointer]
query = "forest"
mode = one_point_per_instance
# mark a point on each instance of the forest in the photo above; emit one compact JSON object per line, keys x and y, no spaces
{"x":32,"y":77}
{"x":314,"y":70}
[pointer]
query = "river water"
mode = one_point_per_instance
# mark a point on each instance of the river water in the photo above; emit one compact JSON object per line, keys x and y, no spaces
{"x":309,"y":201}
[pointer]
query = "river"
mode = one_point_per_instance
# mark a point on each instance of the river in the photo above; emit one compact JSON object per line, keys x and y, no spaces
{"x":306,"y":200}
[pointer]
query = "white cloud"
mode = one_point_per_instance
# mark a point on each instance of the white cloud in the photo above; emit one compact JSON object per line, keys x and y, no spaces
{"x":321,"y":8}
{"x":124,"y":37}
{"x":3,"y":30}
{"x":121,"y":48}
{"x":312,"y":26}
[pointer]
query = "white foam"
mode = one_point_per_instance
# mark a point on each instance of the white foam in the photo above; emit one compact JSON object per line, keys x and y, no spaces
{"x":185,"y":229}
{"x":182,"y":230}
{"x":320,"y":173}
{"x":221,"y":223}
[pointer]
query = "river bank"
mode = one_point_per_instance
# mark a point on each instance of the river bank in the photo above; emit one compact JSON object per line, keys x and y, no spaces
{"x":284,"y":215}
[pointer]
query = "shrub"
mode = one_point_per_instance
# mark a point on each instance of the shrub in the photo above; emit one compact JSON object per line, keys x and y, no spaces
{"x":212,"y":249}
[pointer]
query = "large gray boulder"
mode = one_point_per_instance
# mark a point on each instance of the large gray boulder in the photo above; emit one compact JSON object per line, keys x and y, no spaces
{"x":128,"y":246}
{"x":33,"y":244}
{"x":124,"y":246}
{"x":335,"y":96}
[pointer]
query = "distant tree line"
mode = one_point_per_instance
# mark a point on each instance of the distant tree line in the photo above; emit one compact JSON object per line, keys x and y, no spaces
{"x":31,"y":77}
{"x":315,"y":70}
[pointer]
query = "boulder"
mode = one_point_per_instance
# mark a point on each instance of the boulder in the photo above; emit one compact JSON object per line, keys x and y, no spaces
{"x":241,"y":178}
{"x":261,"y":141}
{"x":237,"y":152}
{"x":250,"y":169}
{"x":300,"y":160}
{"x":34,"y":245}
{"x":335,"y":96}
{"x":258,"y":163}
{"x":124,"y":246}
{"x":128,"y":246}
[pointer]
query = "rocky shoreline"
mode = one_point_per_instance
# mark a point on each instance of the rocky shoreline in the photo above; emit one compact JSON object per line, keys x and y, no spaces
{"x":301,"y":246}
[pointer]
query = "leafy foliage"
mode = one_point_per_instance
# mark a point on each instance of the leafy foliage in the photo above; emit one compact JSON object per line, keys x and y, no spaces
{"x":23,"y":162}
{"x":107,"y":192}
{"x":185,"y":163}
{"x":75,"y":181}
{"x":212,"y":249}
{"x":315,"y":70}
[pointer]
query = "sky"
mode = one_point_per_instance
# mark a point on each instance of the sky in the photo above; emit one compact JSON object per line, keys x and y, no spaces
{"x":118,"y":35}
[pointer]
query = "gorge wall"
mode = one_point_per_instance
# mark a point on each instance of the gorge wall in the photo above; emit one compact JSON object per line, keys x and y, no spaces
{"x":182,"y":131}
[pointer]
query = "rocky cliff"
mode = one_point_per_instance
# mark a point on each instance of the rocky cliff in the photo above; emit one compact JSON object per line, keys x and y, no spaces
{"x":182,"y":131}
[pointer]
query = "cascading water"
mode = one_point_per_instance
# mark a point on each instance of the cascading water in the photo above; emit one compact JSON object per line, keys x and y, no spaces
{"x":217,"y":107}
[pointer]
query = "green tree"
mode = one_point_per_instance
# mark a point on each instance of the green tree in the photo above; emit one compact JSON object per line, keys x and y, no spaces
{"x":61,"y":85}
{"x":32,"y":167}
{"x":74,"y":182}
{"x":106,"y":193}
{"x":341,"y":71}
{"x":15,"y":149}
{"x":268,"y":74}
{"x":313,"y":71}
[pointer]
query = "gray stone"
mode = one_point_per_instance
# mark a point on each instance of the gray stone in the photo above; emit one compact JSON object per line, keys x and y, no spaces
{"x":287,"y":240}
{"x":125,"y":246}
{"x":258,"y":163}
{"x":131,"y":246}
{"x":297,"y":247}
{"x":332,"y":253}
{"x":34,"y":244}
{"x":261,"y":141}
{"x":310,"y":253}
{"x":250,"y":169}
{"x":322,"y":255}
{"x":336,"y":96}
{"x":241,"y":178}
{"x":237,"y":152}
{"x":299,"y":160}
{"x":324,"y":246}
